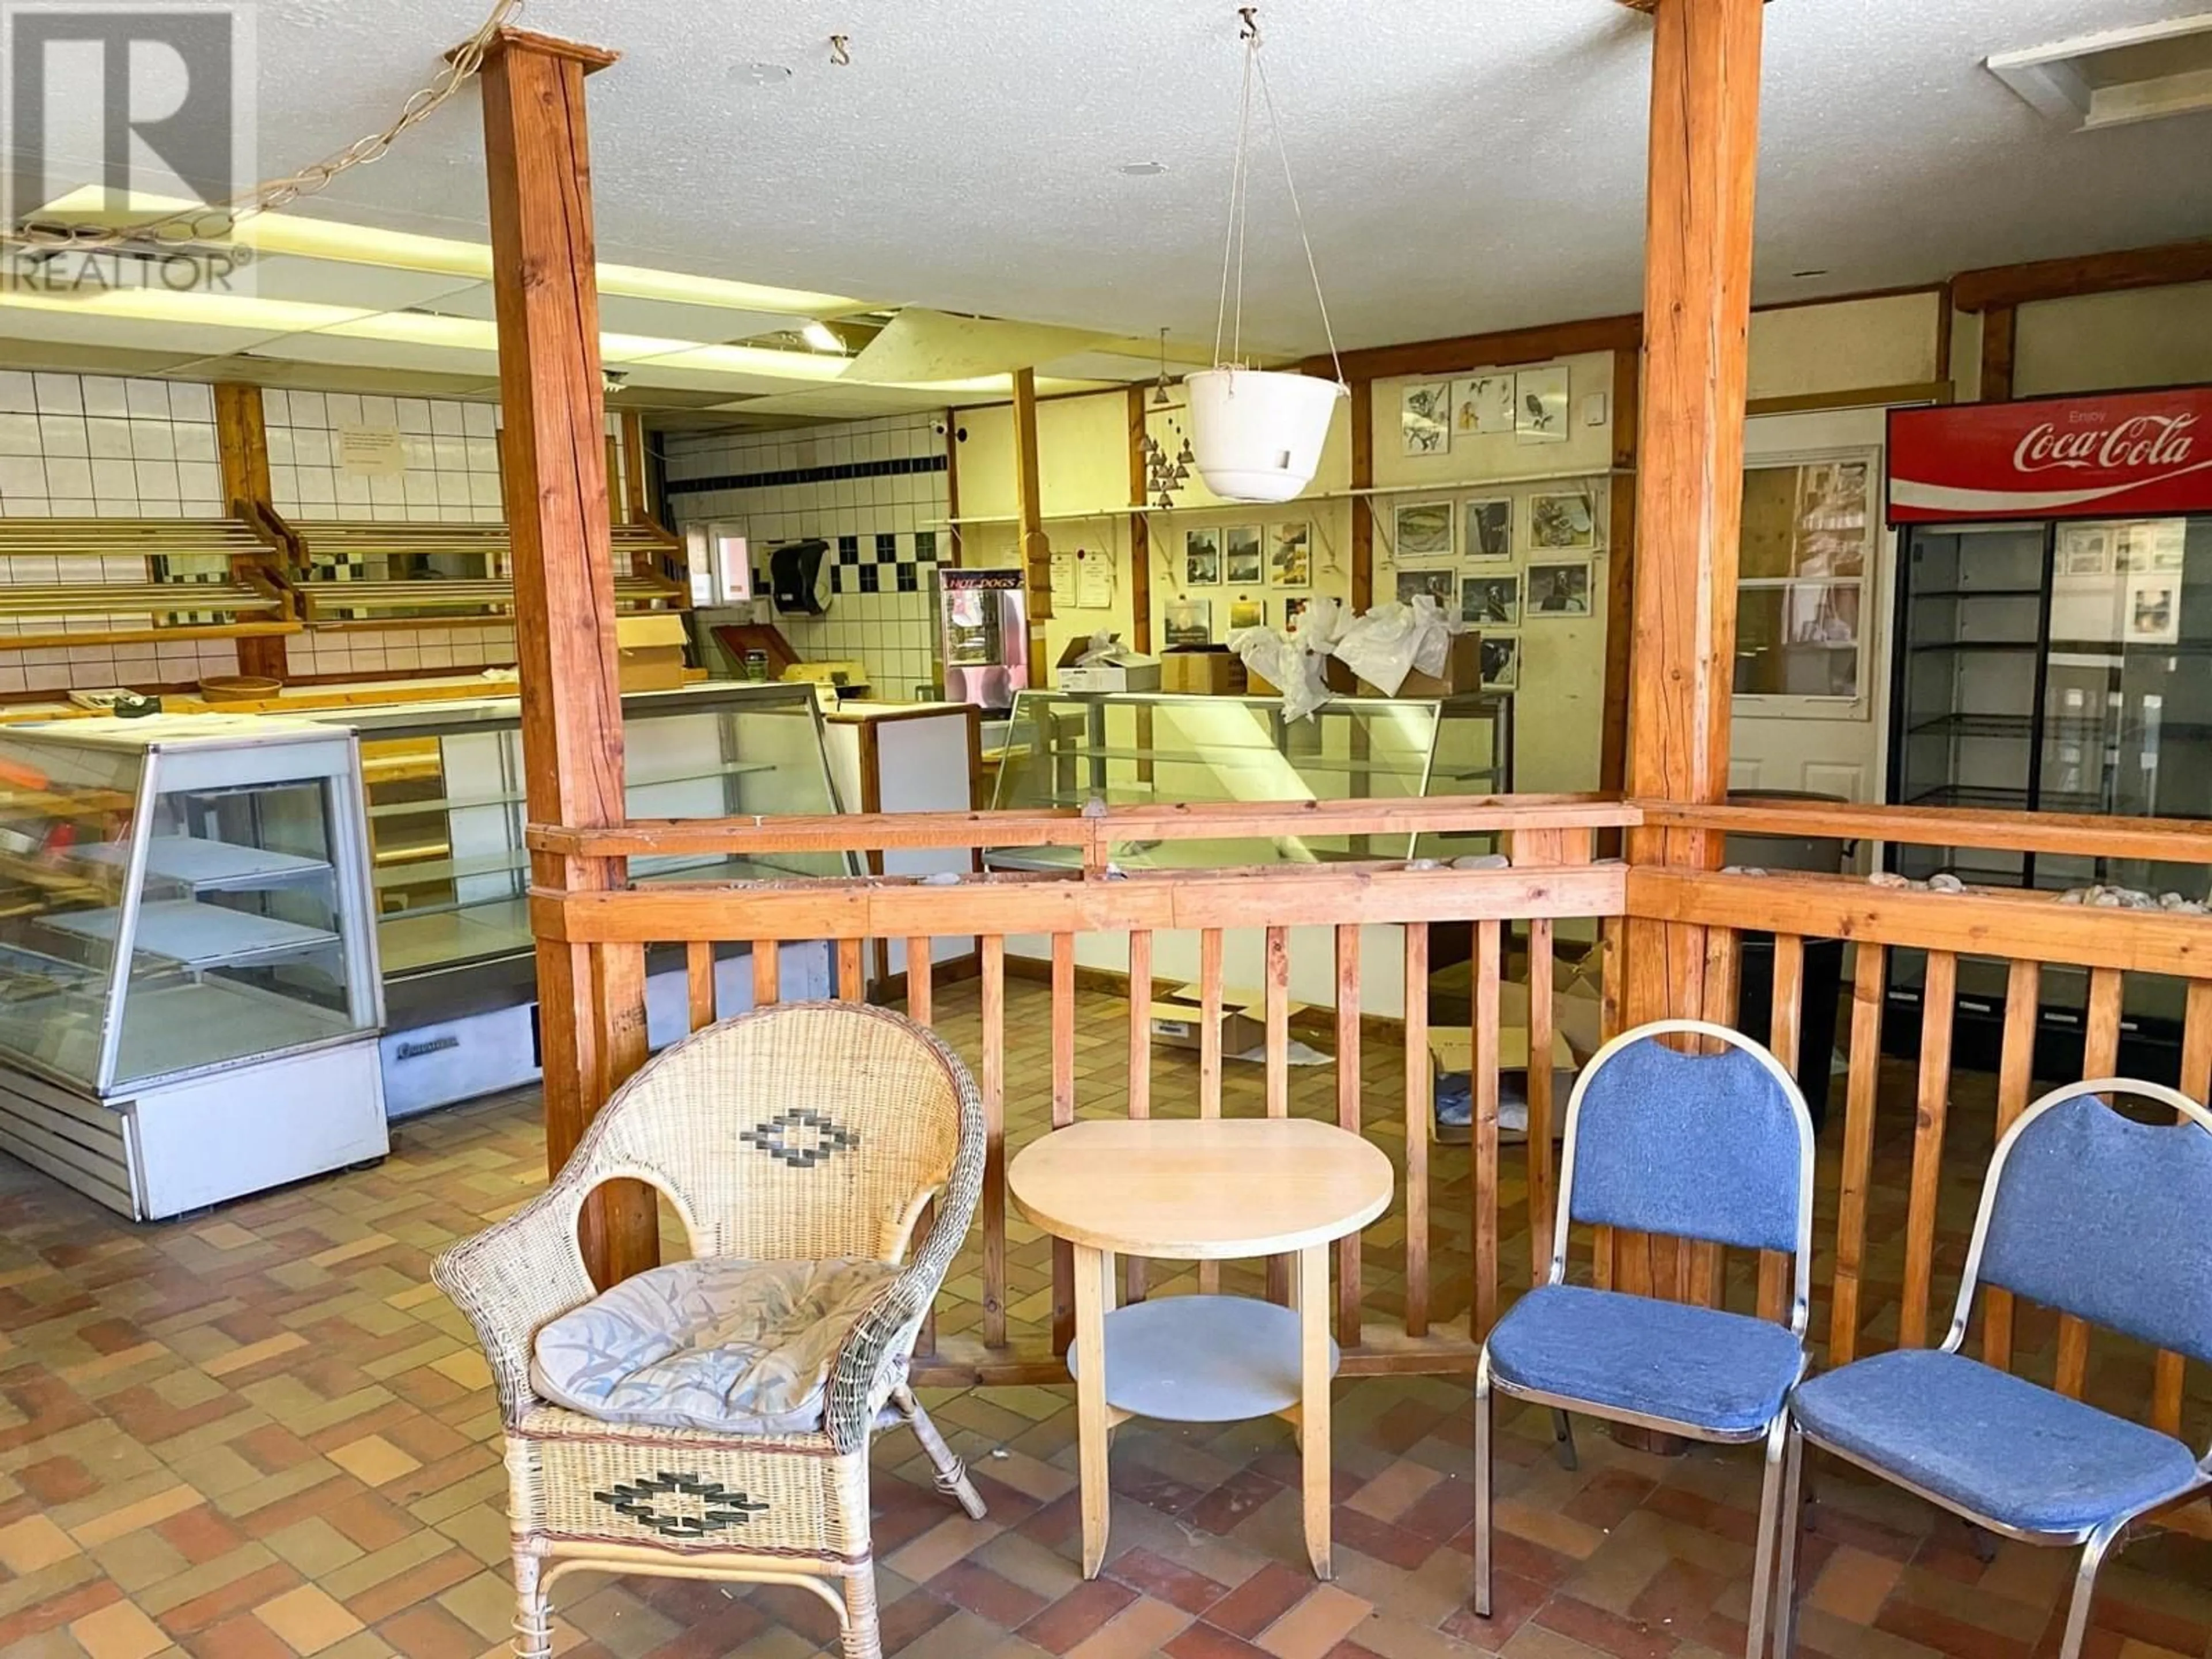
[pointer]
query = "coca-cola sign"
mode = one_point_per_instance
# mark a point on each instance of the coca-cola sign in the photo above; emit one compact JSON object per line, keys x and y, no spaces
{"x":2125,"y":455}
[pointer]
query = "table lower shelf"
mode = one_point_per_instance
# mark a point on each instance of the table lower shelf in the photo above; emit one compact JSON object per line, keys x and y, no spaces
{"x":1203,"y":1360}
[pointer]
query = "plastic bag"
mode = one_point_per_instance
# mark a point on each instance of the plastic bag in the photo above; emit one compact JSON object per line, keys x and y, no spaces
{"x":1103,"y":648}
{"x":1393,"y":640}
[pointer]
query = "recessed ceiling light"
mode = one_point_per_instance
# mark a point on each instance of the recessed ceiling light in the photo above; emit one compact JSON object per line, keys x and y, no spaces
{"x":1800,"y":275}
{"x":762,"y":74}
{"x":1141,"y":169}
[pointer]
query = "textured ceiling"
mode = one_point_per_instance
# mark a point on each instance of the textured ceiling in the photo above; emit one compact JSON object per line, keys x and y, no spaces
{"x":1465,"y":164}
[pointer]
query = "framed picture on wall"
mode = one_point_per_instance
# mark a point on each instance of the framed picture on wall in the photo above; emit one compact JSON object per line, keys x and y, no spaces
{"x":1486,"y":528}
{"x":1442,"y":585}
{"x":1501,"y":662}
{"x":1242,"y":563}
{"x":1482,"y":406}
{"x":1294,"y":611}
{"x":1189,"y":622}
{"x":1562,"y":524}
{"x":2153,"y":612}
{"x":1201,"y":558}
{"x":1559,"y":592}
{"x":1488,"y":602}
{"x":2085,"y":549}
{"x":1540,"y":405}
{"x":1425,"y":412}
{"x":1423,"y":531}
{"x":1247,"y":613}
{"x":1290,"y":556}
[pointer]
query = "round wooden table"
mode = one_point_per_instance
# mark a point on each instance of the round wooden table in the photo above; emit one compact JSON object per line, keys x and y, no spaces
{"x":1207,"y":1190}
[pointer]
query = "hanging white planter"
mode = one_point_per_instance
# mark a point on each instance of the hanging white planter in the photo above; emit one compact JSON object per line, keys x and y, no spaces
{"x":1257,"y":434}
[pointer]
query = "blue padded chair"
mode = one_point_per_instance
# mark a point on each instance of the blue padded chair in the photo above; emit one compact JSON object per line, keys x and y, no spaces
{"x":2086,"y":1212}
{"x":1717,"y":1148}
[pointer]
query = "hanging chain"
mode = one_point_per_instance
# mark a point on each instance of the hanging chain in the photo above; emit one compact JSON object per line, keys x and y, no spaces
{"x":1240,"y":192}
{"x":208,"y":222}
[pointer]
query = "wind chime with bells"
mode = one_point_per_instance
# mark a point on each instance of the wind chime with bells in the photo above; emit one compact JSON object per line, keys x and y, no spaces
{"x":1166,"y":473}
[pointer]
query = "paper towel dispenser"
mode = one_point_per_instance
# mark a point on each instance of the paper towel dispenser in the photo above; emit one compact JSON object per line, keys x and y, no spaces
{"x":799,"y":577}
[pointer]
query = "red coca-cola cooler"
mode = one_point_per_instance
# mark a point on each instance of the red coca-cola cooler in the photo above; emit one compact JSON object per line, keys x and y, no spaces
{"x":2053,"y":651}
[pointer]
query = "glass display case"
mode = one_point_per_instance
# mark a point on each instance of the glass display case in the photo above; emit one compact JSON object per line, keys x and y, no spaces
{"x":1068,"y":749}
{"x":189,"y":997}
{"x":451,"y":873}
{"x":2063,"y":667}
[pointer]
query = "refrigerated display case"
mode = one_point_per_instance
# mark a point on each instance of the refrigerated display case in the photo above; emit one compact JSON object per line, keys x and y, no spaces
{"x":2051,"y":664}
{"x":451,"y":872}
{"x":189,"y":1000}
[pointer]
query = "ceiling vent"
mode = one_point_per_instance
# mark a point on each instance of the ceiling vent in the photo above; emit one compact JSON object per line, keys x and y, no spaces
{"x":2122,"y":76}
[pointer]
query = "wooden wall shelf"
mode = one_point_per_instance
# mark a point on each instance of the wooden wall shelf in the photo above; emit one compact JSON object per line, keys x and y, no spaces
{"x":199,"y":579}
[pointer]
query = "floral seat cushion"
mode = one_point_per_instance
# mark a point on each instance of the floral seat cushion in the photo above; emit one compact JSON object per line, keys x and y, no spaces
{"x":723,"y":1345}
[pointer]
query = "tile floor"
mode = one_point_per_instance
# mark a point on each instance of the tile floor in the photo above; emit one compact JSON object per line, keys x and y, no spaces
{"x":261,"y":1432}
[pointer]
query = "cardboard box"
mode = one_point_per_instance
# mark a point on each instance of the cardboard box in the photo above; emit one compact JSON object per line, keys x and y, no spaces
{"x":1204,"y":674}
{"x":1179,"y":1019}
{"x":1462,"y":672}
{"x":1333,"y":675}
{"x":651,"y":651}
{"x":1124,"y":669}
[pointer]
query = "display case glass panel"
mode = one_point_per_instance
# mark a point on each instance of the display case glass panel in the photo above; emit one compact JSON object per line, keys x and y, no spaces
{"x":180,"y":899}
{"x":1160,"y":749}
{"x":446,"y":814}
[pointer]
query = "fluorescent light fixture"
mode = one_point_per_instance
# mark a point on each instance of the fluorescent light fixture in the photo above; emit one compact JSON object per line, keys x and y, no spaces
{"x":205,"y":309}
{"x":821,"y":338}
{"x":758,"y":361}
{"x":351,"y":244}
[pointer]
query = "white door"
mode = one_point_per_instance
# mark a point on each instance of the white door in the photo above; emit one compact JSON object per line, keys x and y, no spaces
{"x":1813,"y":607}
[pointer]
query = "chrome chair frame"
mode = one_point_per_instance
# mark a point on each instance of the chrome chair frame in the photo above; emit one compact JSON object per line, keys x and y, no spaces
{"x":2095,"y":1541}
{"x":1772,"y":1432}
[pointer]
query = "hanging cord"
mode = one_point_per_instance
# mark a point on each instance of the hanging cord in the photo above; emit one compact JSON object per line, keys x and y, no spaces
{"x":1232,"y":250}
{"x":213,"y":221}
{"x":1240,"y":198}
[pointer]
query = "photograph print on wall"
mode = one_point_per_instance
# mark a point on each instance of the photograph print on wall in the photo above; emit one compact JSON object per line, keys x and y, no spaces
{"x":1501,"y":662}
{"x":1247,"y":613}
{"x":1290,"y":556}
{"x":1562,"y":524}
{"x":1241,"y":557}
{"x":1426,"y":409}
{"x":1488,"y":529}
{"x":1424,"y":530}
{"x":1490,"y":601}
{"x":1558,"y":591}
{"x":1540,"y":405}
{"x":1294,"y":611}
{"x":1190,"y":621}
{"x":1482,"y":406}
{"x":1201,"y":558}
{"x":1442,"y":585}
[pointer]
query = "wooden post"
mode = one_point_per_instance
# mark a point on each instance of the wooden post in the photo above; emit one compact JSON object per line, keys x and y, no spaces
{"x":554,"y":463}
{"x":1029,"y":513}
{"x":1140,"y":527}
{"x":1689,"y":496}
{"x":242,"y":439}
{"x":1620,"y":573}
{"x":1362,"y":413}
{"x":1999,"y":327}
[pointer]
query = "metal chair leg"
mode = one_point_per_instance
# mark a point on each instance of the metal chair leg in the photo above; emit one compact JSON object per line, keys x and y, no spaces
{"x":1793,"y":1527}
{"x":1482,"y":1414}
{"x":1563,"y":1442}
{"x":2085,"y":1587}
{"x":952,"y":1474}
{"x":1770,"y":1518}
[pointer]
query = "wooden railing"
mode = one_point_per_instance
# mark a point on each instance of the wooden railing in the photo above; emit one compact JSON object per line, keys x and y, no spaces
{"x":1396,"y":1308}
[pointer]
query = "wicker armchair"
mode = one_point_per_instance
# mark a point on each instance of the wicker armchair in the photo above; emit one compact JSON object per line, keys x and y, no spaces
{"x":808,"y":1132}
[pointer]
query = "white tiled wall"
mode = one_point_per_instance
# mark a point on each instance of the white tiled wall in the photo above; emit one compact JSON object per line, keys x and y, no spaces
{"x":453,"y":457}
{"x":88,"y":445}
{"x":400,"y":651}
{"x":889,"y":632}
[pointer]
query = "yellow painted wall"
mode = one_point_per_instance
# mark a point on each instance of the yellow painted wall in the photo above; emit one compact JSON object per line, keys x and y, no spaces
{"x":1852,"y":345}
{"x":1560,"y":708}
{"x":2104,"y":341}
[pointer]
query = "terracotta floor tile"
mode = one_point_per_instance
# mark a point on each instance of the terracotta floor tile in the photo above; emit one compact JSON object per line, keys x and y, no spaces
{"x":307,"y":1618}
{"x":1072,"y":1619}
{"x":1312,"y":1629}
{"x":1142,"y":1628}
{"x":118,"y":1630}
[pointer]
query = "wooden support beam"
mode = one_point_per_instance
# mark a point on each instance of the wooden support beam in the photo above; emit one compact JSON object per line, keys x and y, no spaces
{"x":2006,"y":286}
{"x":1689,"y":498}
{"x":1501,"y":350}
{"x":1141,"y":528}
{"x":241,"y":441}
{"x":1620,"y":571}
{"x":637,"y":500}
{"x":554,"y":463}
{"x":1999,"y":327}
{"x":1362,"y":414}
{"x":1035,"y":546}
